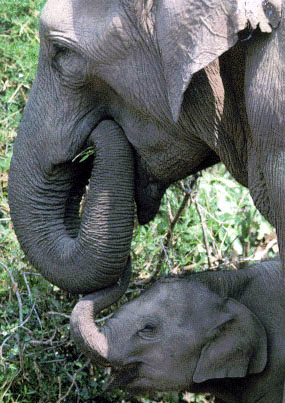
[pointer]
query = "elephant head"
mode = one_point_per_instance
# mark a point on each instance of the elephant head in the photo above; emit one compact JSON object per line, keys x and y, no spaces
{"x":177,"y":335}
{"x":115,"y":75}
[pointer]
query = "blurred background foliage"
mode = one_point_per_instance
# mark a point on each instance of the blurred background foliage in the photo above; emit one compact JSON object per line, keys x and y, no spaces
{"x":204,"y":222}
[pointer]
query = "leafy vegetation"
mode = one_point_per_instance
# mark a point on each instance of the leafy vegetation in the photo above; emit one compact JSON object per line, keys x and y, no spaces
{"x":217,"y":227}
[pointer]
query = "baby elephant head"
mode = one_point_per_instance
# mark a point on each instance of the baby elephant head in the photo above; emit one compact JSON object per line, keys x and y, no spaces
{"x":175,"y":336}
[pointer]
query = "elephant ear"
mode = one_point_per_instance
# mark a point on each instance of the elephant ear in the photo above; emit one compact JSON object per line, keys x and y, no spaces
{"x":235,"y":347}
{"x":191,"y":34}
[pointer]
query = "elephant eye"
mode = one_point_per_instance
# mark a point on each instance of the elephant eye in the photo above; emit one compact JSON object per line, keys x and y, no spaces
{"x":59,"y":49}
{"x":59,"y":52}
{"x":70,"y":65}
{"x":147,"y":331}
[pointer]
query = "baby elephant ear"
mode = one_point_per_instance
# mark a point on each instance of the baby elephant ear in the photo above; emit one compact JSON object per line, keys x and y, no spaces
{"x":191,"y":34}
{"x":235,"y":347}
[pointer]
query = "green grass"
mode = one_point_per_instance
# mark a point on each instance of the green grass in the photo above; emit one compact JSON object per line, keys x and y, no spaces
{"x":218,"y":227}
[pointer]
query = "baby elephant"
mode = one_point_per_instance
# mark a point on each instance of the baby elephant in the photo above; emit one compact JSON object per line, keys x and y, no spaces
{"x":220,"y":332}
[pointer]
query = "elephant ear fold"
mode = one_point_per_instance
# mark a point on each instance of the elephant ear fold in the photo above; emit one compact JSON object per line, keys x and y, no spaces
{"x":191,"y":34}
{"x":234,"y":347}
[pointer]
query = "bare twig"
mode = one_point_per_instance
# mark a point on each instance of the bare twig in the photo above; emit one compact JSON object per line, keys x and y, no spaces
{"x":30,"y":295}
{"x":76,"y":386}
{"x":164,"y":255}
{"x":38,"y":375}
{"x":170,"y":215}
{"x":187,"y":189}
{"x":59,"y":314}
{"x":15,"y":290}
{"x":31,"y":273}
{"x":73,"y":382}
{"x":26,"y":320}
{"x":105,"y":318}
{"x":48,"y":342}
{"x":228,"y":229}
{"x":204,"y":230}
{"x":53,"y":361}
{"x":2,"y":346}
{"x":59,"y":389}
{"x":15,"y":93}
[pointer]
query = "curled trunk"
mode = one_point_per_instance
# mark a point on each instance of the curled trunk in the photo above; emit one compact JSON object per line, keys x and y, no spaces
{"x":78,"y":255}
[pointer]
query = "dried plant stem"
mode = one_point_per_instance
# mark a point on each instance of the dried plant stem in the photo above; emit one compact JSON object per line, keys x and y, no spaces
{"x":15,"y":289}
{"x":73,"y":383}
{"x":187,"y":190}
{"x":204,"y":229}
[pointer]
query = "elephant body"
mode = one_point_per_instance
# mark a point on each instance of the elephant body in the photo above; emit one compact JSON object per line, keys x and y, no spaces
{"x":160,"y":89}
{"x":180,"y":85}
{"x":219,"y":332}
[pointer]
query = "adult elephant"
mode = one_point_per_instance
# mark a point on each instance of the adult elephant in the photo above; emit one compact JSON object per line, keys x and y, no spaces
{"x":175,"y":79}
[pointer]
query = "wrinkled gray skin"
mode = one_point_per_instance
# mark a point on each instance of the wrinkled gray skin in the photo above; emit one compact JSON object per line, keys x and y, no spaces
{"x":173,"y":84}
{"x":217,"y":332}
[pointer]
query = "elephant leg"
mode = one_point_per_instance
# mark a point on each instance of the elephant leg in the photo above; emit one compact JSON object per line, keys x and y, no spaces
{"x":264,"y":92}
{"x":273,"y":170}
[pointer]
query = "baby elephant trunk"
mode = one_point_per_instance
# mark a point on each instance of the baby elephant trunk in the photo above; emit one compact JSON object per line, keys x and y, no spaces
{"x":90,"y":339}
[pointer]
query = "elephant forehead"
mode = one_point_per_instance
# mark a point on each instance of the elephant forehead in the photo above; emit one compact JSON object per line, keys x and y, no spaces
{"x":84,"y":23}
{"x":174,"y":293}
{"x":178,"y":295}
{"x":58,"y":16}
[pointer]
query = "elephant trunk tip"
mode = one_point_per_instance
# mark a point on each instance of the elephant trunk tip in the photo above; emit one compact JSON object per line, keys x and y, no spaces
{"x":90,"y":339}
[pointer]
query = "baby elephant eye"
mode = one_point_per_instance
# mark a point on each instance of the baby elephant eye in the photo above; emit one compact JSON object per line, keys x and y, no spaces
{"x":147,"y":331}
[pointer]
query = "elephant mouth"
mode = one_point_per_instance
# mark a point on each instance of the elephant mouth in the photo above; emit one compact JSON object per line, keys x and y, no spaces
{"x":122,"y":377}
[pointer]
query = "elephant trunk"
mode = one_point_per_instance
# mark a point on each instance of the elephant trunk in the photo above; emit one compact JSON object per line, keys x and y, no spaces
{"x":77,"y":254}
{"x":90,"y":339}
